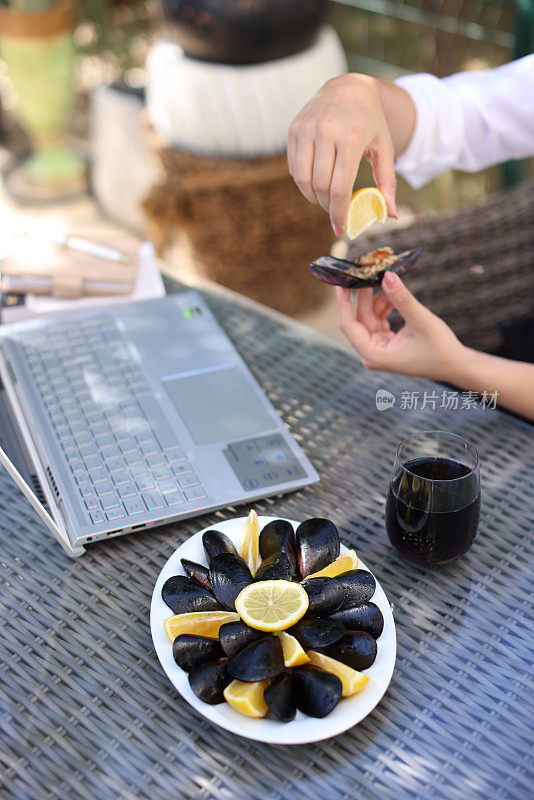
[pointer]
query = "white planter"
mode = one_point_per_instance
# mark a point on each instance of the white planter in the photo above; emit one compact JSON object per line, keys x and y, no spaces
{"x":222,"y":110}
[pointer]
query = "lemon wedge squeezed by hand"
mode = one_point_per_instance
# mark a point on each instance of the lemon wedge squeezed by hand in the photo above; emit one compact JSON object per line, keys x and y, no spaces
{"x":367,"y":206}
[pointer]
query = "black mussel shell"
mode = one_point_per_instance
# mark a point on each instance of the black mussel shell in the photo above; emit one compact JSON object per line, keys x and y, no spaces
{"x":210,"y":680}
{"x":215,"y":543}
{"x":278,"y":537}
{"x":357,"y":649}
{"x":234,"y":636}
{"x":280,"y":698}
{"x":182,"y":595}
{"x":359,"y":586}
{"x":258,"y":661}
{"x":333,"y":270}
{"x":274,"y":568}
{"x":366,"y":617}
{"x":229,"y":574}
{"x":325,"y":595}
{"x":317,"y":632}
{"x":316,"y":692}
{"x":191,"y":651}
{"x":317,"y":545}
{"x":197,"y":572}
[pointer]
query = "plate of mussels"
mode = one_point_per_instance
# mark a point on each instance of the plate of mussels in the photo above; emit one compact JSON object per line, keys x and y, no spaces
{"x":273,"y":629}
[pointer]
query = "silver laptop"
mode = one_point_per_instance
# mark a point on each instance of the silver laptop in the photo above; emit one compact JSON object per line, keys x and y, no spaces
{"x":123,"y":418}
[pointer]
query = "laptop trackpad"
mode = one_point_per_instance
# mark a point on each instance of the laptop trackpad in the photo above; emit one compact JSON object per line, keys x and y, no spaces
{"x":218,"y":404}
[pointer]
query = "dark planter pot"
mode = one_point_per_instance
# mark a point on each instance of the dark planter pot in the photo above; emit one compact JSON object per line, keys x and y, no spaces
{"x":243,"y":31}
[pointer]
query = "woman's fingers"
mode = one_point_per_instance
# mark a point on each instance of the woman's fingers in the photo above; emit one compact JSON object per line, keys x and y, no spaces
{"x":323,"y":166}
{"x":347,"y":162}
{"x":355,"y":331}
{"x":382,"y":159}
{"x":303,"y":167}
{"x":412,"y":311}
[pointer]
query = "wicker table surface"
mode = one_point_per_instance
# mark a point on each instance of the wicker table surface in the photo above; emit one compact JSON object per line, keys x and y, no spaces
{"x":87,"y":712}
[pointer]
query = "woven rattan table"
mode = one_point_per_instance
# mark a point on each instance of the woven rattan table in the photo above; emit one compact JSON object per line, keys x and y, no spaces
{"x":87,"y":712}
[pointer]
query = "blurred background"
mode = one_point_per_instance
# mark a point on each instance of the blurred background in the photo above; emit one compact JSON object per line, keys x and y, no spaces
{"x":168,"y":120}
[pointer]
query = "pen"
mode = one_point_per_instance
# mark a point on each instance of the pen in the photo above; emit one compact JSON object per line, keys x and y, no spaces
{"x":90,"y":248}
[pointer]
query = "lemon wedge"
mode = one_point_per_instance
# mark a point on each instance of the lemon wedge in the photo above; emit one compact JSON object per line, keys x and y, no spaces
{"x":344,"y":563}
{"x":351,"y":680}
{"x":272,"y":605}
{"x":247,"y":698}
{"x":200,"y":623}
{"x":294,"y":654}
{"x":250,"y":549}
{"x":367,"y":206}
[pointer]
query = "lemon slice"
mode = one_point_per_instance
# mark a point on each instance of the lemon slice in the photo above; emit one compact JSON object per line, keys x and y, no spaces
{"x":201,"y":623}
{"x":344,"y":563}
{"x":250,"y":549}
{"x":272,"y":605}
{"x":294,"y":654}
{"x":247,"y":698}
{"x":351,"y":680}
{"x":367,"y":206}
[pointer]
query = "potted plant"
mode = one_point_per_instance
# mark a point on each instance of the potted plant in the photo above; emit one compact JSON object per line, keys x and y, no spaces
{"x":36,"y":43}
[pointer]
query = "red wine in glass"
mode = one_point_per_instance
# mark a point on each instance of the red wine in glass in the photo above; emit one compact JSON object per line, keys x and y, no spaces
{"x":433,"y":501}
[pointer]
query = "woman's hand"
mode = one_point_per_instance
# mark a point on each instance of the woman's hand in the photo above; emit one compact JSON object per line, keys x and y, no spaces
{"x":340,"y":125}
{"x":425,"y":346}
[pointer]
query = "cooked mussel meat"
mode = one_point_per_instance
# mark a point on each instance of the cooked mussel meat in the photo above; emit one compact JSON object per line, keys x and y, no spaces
{"x":325,"y":595}
{"x":280,"y":698}
{"x":317,"y":545}
{"x":357,"y":649}
{"x":183,"y":595}
{"x":215,"y":543}
{"x":190,"y":651}
{"x":366,"y":617}
{"x":210,"y":680}
{"x":317,"y":632}
{"x":229,"y":574}
{"x":258,"y":661}
{"x":359,"y":586}
{"x":278,"y":537}
{"x":355,"y":275}
{"x":316,"y":692}
{"x":274,"y":568}
{"x":234,"y":636}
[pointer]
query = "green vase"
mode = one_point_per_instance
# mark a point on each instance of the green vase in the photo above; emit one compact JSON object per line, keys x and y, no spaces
{"x":38,"y":50}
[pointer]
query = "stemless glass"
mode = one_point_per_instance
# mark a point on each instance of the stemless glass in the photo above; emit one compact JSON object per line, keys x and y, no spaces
{"x":433,"y":501}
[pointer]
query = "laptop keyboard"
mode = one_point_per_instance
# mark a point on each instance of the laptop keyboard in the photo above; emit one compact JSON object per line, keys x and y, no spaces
{"x":124,"y":455}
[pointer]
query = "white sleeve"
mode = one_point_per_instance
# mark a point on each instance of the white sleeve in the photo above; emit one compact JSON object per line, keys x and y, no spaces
{"x":469,"y":121}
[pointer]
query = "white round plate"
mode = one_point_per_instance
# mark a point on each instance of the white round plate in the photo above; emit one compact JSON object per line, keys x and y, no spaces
{"x":348,"y":712}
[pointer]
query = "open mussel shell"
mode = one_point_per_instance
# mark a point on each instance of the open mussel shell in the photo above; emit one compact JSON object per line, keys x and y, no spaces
{"x":366,"y":617}
{"x":210,"y":680}
{"x":258,"y":661}
{"x":325,"y":596}
{"x":229,"y":574}
{"x":216,"y":543}
{"x":197,"y":572}
{"x":278,"y":537}
{"x":274,"y":568}
{"x":190,"y":651}
{"x":359,"y":586}
{"x":317,"y":545}
{"x":316,"y":633}
{"x":357,"y":649}
{"x":280,"y":699}
{"x":335,"y":271}
{"x":316,"y":692}
{"x":183,"y":595}
{"x":234,"y":636}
